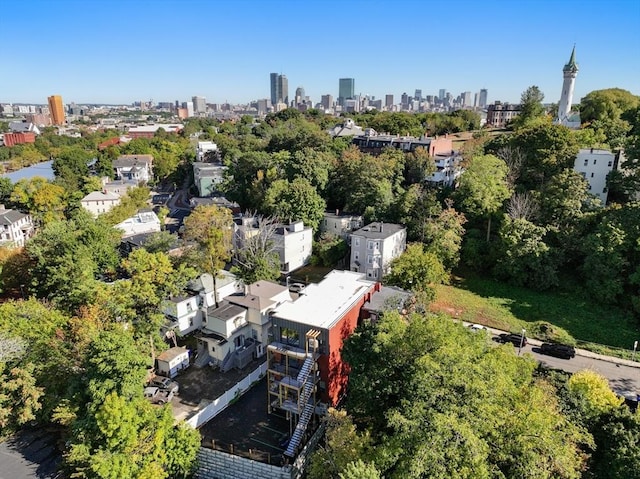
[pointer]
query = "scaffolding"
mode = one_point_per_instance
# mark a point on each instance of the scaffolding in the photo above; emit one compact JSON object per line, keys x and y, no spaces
{"x":293,"y":375}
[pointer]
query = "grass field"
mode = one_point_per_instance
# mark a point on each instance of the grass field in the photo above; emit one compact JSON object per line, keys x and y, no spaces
{"x":592,"y":326}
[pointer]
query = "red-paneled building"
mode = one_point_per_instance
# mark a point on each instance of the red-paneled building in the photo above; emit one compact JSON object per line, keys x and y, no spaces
{"x":11,"y":139}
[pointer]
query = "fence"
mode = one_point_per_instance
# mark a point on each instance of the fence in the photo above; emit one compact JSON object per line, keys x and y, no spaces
{"x":220,"y":404}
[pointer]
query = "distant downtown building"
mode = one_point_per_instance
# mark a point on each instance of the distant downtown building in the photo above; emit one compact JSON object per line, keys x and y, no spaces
{"x":279,"y":89}
{"x":346,"y":90}
{"x":56,"y":109}
{"x":327,"y":101}
{"x":499,"y":114}
{"x":199,"y":104}
{"x":388,"y":101}
{"x":482,"y":103}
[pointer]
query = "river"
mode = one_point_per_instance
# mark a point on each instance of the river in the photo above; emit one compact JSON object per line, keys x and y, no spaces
{"x":43,"y":169}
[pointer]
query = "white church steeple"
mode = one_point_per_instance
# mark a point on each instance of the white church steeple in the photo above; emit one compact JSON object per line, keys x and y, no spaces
{"x":569,"y":72}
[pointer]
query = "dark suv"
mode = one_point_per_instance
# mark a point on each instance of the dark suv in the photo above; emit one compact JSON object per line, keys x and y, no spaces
{"x":515,"y":339}
{"x":563,"y":351}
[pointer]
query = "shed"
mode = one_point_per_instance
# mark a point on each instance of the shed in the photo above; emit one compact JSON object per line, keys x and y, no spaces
{"x":172,"y":361}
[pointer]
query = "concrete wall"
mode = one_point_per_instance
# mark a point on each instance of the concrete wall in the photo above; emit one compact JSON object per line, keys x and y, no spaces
{"x":221,"y":465}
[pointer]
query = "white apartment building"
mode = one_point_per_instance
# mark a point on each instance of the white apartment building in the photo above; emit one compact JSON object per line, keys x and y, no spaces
{"x":340,"y":224}
{"x":448,"y":170}
{"x":143,"y":222}
{"x":98,"y":202}
{"x":594,"y":165}
{"x":205,"y":147}
{"x":375,"y":246}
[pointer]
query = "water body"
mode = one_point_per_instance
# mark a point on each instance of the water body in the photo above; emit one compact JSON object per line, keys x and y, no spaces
{"x":43,"y":169}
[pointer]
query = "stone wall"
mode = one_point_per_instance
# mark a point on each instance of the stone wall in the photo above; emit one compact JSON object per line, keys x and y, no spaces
{"x":221,"y":465}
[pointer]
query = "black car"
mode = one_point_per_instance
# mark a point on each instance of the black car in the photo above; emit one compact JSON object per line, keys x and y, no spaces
{"x":557,"y":350}
{"x":515,"y":339}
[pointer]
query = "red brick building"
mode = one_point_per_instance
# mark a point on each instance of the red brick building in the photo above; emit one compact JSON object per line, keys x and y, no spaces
{"x":11,"y":139}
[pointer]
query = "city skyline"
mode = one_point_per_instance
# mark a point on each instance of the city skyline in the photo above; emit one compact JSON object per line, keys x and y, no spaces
{"x":120,"y":55}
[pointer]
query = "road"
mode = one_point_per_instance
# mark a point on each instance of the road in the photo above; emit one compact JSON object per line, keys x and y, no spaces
{"x":29,"y":455}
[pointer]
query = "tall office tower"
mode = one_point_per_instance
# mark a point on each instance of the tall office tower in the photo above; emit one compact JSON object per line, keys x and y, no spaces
{"x":466,"y":98}
{"x":56,"y":109}
{"x":388,"y":101}
{"x":279,"y":89}
{"x":404,"y":101}
{"x":199,"y":104}
{"x":418,"y":95}
{"x":263,"y":106}
{"x":569,"y":73}
{"x":442,"y":93}
{"x":346,"y":90}
{"x":327,"y":101}
{"x":189,"y":107}
{"x":475,"y":100}
{"x":299,"y":99}
{"x":482,"y":102}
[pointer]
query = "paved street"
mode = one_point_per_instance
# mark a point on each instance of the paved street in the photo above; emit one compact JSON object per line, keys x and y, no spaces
{"x":29,"y":455}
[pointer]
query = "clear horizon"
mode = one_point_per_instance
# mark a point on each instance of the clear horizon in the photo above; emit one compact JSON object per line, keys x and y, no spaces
{"x":116,"y":52}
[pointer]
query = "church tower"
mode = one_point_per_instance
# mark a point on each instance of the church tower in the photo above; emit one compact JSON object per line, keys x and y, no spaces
{"x":569,"y":72}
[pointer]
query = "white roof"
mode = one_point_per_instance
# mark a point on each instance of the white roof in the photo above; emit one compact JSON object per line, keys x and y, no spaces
{"x":100,"y":196}
{"x":324,"y":303}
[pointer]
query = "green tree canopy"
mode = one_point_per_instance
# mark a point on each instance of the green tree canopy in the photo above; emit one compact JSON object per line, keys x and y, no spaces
{"x":607,"y":104}
{"x":531,"y":107}
{"x":295,"y":201}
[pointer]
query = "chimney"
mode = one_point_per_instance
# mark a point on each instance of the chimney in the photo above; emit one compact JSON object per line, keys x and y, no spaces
{"x":337,"y":212}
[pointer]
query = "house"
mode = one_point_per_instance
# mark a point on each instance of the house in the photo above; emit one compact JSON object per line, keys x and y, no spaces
{"x":118,"y":187}
{"x":499,"y":114}
{"x":293,"y":242}
{"x":133,"y":167}
{"x":340,"y":224}
{"x":375,"y":246}
{"x":23,"y":127}
{"x":12,"y":139}
{"x":448,"y":169}
{"x":348,"y":128}
{"x":98,"y":202}
{"x":374,"y":143}
{"x":15,"y":227}
{"x":594,"y":165}
{"x":208,"y":177}
{"x":236,"y":330}
{"x":185,"y":314}
{"x":142,"y":222}
{"x":170,"y":362}
{"x":205,"y":150}
{"x":219,"y":201}
{"x":304,"y":362}
{"x":149,"y":131}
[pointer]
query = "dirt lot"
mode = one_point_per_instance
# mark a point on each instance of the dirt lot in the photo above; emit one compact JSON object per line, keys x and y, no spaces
{"x":246,"y":429}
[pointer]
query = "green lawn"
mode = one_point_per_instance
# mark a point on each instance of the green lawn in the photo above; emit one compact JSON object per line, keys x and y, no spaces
{"x":594,"y":327}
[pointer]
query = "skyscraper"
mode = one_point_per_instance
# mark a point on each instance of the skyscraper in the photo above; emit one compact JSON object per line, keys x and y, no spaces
{"x":482,"y":102}
{"x":418,"y":95}
{"x":346,"y":90}
{"x":199,"y":104}
{"x":279,"y":89}
{"x":388,"y":101}
{"x":327,"y":101}
{"x":569,"y":73}
{"x":56,"y":109}
{"x":299,"y":95}
{"x":441,"y":94}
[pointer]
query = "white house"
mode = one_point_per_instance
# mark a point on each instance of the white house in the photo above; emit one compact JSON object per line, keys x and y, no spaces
{"x":594,"y":165}
{"x":293,"y":242}
{"x":98,"y":202}
{"x":340,"y":224}
{"x":133,"y":167}
{"x":183,"y":314}
{"x":375,"y":246}
{"x":205,"y":147}
{"x":15,"y":227}
{"x":448,"y":170}
{"x":143,"y":222}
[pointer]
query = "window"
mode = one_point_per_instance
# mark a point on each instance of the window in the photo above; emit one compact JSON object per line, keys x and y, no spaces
{"x":594,"y":161}
{"x":369,"y":259}
{"x":290,"y":336}
{"x":591,"y":175}
{"x":356,"y":241}
{"x":356,"y":255}
{"x":369,"y":244}
{"x":586,"y":162}
{"x":610,"y":163}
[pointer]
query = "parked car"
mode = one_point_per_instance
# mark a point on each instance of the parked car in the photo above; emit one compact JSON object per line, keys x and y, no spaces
{"x":477,"y":327}
{"x":515,"y":339}
{"x":558,"y":350}
{"x":165,"y":383}
{"x":157,"y":395}
{"x":296,"y":287}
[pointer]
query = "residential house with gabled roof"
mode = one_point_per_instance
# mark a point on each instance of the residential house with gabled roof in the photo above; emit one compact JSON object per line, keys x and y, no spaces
{"x":98,"y":202}
{"x":133,"y":167}
{"x":374,"y":246}
{"x":15,"y":227}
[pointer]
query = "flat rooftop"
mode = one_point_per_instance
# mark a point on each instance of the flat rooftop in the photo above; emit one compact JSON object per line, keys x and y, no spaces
{"x":324,"y":303}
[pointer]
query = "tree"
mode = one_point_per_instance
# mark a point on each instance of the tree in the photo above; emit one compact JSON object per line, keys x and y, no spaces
{"x":565,"y":199}
{"x":439,"y":403}
{"x":604,"y":104}
{"x":295,"y":201}
{"x":19,"y":398}
{"x":417,"y":269}
{"x":443,"y":236}
{"x":524,"y":258}
{"x":483,"y":188}
{"x":418,"y":166}
{"x":257,"y":258}
{"x":312,"y":165}
{"x":210,"y":228}
{"x":45,"y":200}
{"x":531,"y":107}
{"x":70,"y":166}
{"x":593,"y":391}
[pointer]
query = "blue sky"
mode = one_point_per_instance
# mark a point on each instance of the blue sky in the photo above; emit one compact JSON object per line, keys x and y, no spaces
{"x":120,"y":51}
